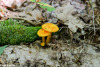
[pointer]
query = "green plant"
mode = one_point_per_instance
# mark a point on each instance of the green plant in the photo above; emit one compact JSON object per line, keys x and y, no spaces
{"x":2,"y":49}
{"x":44,"y":5}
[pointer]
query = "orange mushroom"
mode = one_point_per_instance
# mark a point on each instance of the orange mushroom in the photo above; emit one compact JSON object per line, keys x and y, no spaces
{"x":50,"y":27}
{"x":42,"y":33}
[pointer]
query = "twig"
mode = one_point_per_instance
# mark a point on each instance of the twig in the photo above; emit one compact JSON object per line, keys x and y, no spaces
{"x":30,"y":22}
{"x":62,"y":28}
{"x":93,"y":17}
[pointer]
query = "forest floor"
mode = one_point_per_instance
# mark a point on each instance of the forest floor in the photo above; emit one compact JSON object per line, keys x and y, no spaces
{"x":58,"y":53}
{"x":76,"y":45}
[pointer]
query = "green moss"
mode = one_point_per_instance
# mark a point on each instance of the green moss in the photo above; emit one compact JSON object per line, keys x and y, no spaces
{"x":12,"y":32}
{"x":9,"y":22}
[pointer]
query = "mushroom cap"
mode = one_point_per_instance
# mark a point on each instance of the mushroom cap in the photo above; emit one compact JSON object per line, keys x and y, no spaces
{"x":50,"y":27}
{"x":43,"y":33}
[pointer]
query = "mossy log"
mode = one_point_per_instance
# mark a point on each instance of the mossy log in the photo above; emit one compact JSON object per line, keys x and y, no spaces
{"x":12,"y":32}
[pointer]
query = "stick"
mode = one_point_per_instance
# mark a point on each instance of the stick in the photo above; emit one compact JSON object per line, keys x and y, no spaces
{"x":93,"y":17}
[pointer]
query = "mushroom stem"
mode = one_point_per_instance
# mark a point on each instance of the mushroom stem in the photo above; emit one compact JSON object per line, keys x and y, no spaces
{"x":43,"y":41}
{"x":48,"y":38}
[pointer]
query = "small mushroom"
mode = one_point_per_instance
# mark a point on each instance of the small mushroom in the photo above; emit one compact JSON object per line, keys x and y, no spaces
{"x":42,"y":33}
{"x":50,"y":27}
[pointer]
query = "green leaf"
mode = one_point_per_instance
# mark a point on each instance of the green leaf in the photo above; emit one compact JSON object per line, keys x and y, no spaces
{"x":2,"y":49}
{"x":46,"y":6}
{"x":33,"y":0}
{"x":50,"y":9}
